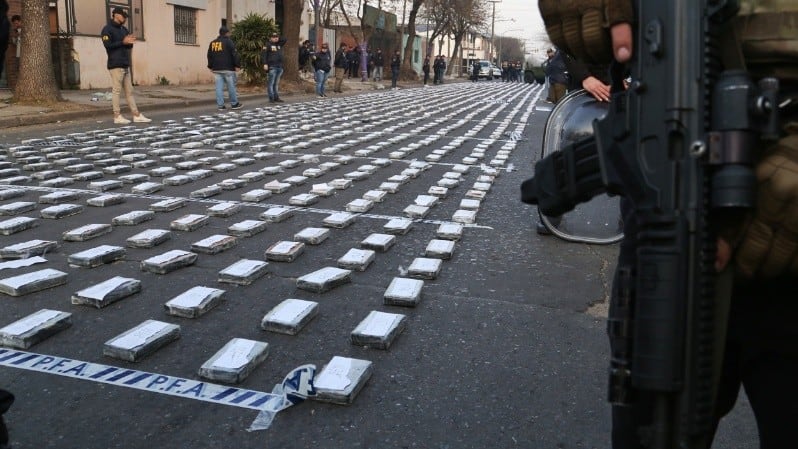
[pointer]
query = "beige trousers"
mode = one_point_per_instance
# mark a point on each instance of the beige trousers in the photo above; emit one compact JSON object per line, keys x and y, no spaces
{"x":120,"y":78}
{"x":339,"y":79}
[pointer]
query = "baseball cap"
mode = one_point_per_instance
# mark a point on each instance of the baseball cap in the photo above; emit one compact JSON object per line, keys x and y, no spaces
{"x":223,"y":30}
{"x":274,"y":34}
{"x":119,"y":11}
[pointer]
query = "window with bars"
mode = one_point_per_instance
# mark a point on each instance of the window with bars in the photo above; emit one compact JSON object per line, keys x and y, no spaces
{"x":185,"y":25}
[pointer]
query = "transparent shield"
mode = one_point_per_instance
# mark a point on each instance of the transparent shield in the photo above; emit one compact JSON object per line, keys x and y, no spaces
{"x":599,"y":220}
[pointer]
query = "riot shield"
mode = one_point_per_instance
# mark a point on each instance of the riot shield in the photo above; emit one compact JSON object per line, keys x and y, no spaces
{"x":599,"y":220}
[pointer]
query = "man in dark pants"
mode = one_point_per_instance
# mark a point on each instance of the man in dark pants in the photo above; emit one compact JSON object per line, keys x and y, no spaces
{"x":352,"y":62}
{"x":305,"y":53}
{"x":440,"y":69}
{"x":272,"y":60}
{"x":475,"y":71}
{"x":5,"y":32}
{"x":761,"y":344}
{"x":425,"y":68}
{"x":396,"y":63}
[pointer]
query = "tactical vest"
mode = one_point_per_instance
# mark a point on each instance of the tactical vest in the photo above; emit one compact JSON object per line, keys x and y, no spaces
{"x":768,"y":36}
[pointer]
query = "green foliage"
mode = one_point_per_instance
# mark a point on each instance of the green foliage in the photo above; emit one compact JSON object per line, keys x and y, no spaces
{"x":250,"y":36}
{"x":162,"y":80}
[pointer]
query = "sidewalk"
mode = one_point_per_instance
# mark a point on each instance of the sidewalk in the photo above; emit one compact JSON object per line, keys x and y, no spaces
{"x":83,"y":104}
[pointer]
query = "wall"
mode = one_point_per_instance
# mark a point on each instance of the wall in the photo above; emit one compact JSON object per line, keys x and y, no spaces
{"x":157,"y":55}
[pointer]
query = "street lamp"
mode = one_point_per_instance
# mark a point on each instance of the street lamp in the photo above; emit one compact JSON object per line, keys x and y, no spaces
{"x":492,"y":26}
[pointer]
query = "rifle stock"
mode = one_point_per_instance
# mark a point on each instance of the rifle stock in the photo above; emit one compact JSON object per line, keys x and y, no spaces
{"x":679,"y":144}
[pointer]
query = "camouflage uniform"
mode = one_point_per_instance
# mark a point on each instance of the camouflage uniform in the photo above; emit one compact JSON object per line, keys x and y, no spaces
{"x":762,"y":339}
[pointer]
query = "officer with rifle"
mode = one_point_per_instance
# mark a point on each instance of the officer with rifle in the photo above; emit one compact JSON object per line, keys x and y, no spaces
{"x":703,"y":148}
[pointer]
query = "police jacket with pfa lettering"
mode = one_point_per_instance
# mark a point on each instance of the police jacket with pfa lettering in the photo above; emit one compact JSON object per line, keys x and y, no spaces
{"x":222,"y":54}
{"x":272,"y":54}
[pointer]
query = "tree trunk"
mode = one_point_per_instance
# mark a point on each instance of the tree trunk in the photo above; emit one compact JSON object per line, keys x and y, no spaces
{"x":454,"y":59}
{"x":407,"y":71}
{"x":36,"y":82}
{"x":294,"y":9}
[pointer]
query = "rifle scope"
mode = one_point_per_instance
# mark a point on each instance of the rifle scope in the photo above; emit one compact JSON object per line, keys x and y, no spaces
{"x":742,"y":112}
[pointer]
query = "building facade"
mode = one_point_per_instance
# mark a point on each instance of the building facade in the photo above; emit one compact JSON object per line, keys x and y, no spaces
{"x":172,"y":37}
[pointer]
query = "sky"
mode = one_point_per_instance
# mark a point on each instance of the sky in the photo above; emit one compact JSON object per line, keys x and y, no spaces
{"x":521,"y":19}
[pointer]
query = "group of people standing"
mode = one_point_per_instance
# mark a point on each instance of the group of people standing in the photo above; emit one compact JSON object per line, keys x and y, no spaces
{"x":512,"y":72}
{"x":438,"y":67}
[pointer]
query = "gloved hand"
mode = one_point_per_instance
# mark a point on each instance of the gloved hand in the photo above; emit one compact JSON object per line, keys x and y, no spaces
{"x":769,"y":245}
{"x":581,"y":28}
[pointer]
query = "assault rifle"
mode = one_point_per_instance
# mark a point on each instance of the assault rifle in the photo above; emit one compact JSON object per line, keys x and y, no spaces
{"x":680,"y":144}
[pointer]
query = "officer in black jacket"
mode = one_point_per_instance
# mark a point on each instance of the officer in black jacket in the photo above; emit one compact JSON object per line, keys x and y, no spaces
{"x":341,"y":65}
{"x":379,"y":63}
{"x":223,"y":60}
{"x":272,"y":60}
{"x":396,"y":62}
{"x":322,"y":64}
{"x":425,"y":68}
{"x":118,"y":44}
{"x":5,"y":32}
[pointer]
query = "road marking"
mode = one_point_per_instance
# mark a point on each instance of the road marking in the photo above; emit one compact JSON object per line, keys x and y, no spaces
{"x":141,"y":380}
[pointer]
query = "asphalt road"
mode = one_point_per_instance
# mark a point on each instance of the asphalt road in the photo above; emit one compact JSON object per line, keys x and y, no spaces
{"x":506,"y":347}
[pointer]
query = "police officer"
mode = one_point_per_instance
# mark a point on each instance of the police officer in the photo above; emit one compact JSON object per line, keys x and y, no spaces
{"x":223,"y":60}
{"x":272,"y":60}
{"x":341,"y":65}
{"x":761,"y":350}
{"x":425,"y":68}
{"x":379,"y":63}
{"x":305,"y":53}
{"x":322,"y":63}
{"x":440,"y":69}
{"x":118,"y":44}
{"x":5,"y":32}
{"x":557,"y":73}
{"x":396,"y":62}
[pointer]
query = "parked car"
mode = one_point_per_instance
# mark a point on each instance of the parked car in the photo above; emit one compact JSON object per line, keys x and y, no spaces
{"x":497,"y":72}
{"x":485,"y":70}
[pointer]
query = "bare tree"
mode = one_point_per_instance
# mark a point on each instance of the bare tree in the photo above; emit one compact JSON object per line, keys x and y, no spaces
{"x":438,"y":15}
{"x":466,"y":16}
{"x":36,"y":82}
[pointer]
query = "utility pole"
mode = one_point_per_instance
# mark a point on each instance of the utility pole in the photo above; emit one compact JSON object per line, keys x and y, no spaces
{"x":492,"y":27}
{"x":317,"y":26}
{"x":229,"y":14}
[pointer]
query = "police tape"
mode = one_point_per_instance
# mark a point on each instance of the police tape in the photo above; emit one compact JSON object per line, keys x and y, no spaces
{"x":296,"y":386}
